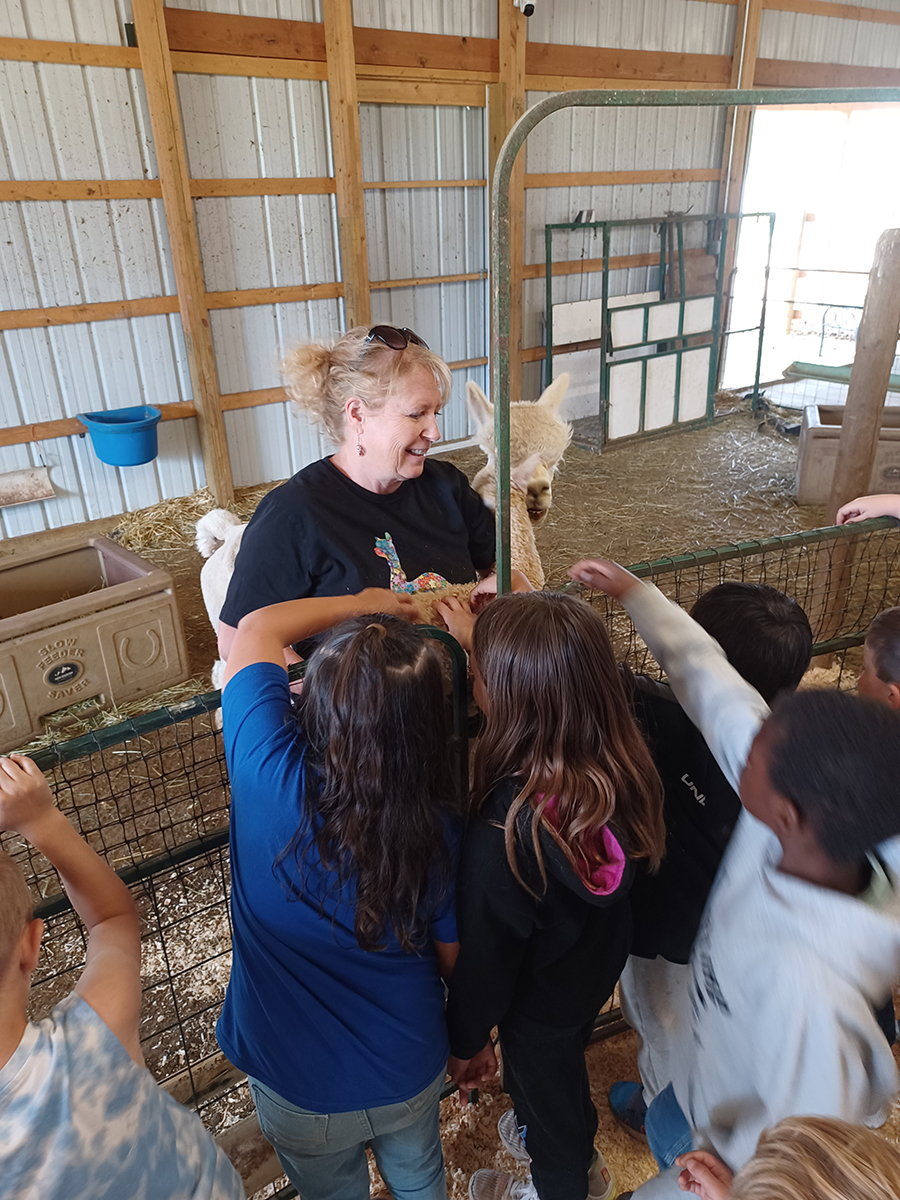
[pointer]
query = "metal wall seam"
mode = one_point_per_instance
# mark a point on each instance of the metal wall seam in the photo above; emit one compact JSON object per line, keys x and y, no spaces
{"x":677,"y":26}
{"x":802,"y":37}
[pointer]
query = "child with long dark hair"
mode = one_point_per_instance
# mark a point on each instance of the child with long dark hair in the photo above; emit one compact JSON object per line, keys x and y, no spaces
{"x":342,"y":903}
{"x":565,"y":798}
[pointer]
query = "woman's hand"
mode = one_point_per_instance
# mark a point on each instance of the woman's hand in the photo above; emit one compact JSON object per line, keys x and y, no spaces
{"x":704,"y":1175}
{"x":866,"y":507}
{"x":457,"y":615}
{"x":468,"y":1073}
{"x":383,"y":600}
{"x":605,"y":576}
{"x":486,"y":589}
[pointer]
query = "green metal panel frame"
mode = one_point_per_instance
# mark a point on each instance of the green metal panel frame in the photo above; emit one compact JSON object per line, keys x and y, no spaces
{"x":723,"y":224}
{"x":500,"y":232}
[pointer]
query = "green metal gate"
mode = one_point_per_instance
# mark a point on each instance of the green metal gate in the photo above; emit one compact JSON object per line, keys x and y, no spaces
{"x":500,"y":255}
{"x":654,"y":374}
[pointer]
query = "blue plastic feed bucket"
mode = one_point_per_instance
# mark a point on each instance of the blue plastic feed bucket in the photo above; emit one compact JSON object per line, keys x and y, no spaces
{"x":124,"y":437}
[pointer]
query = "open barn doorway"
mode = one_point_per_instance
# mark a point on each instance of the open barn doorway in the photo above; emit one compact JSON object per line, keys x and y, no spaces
{"x":832,"y":176}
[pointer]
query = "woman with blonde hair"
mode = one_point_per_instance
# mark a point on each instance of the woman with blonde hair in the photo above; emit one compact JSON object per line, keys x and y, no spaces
{"x":801,"y":1158}
{"x":377,"y":512}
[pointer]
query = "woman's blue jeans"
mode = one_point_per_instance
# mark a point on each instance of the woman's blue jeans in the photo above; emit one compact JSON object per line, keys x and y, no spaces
{"x":324,"y":1154}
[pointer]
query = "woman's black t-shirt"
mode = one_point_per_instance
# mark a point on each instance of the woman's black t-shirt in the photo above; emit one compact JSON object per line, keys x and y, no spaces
{"x":316,"y":536}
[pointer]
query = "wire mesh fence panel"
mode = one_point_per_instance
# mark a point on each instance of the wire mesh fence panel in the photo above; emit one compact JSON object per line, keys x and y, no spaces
{"x":137,"y":790}
{"x":842,"y":577}
{"x":152,"y":797}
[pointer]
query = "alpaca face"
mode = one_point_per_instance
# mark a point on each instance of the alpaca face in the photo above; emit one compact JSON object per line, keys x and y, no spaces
{"x":535,"y":430}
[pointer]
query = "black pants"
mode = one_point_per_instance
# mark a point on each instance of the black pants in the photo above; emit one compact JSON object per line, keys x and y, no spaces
{"x":888,"y":1021}
{"x":545,"y":1074}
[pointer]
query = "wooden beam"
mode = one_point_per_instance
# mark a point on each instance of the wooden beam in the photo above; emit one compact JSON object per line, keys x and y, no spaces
{"x":772,"y":72}
{"x":75,"y":314}
{"x":426,"y":183}
{"x":162,"y":102}
{"x":606,"y":178}
{"x":507,"y":104}
{"x":80,"y":189}
{"x":310,"y":186}
{"x":79,"y":54}
{"x":407,"y":91}
{"x":568,"y":83}
{"x":736,"y":142}
{"x":42,"y":431}
{"x":151,"y":189}
{"x":424,"y":74}
{"x":583,"y":266}
{"x":235,"y":64}
{"x":251,"y":37}
{"x":267,"y":37}
{"x":828,"y":8}
{"x":249,"y":297}
{"x":382,"y":284}
{"x":547,"y":58}
{"x":345,"y":138}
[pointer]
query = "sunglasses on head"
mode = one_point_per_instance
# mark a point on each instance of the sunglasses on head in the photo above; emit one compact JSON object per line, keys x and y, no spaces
{"x":393,"y":338}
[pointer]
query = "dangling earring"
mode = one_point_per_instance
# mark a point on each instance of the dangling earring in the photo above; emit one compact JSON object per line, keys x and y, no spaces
{"x":360,"y":448}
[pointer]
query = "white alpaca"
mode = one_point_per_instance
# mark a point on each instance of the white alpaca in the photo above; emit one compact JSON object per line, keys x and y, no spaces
{"x":538,"y":440}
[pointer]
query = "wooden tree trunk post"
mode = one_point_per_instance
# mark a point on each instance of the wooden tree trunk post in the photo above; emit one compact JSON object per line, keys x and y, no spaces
{"x":860,"y":427}
{"x":343,"y":99}
{"x":168,"y":143}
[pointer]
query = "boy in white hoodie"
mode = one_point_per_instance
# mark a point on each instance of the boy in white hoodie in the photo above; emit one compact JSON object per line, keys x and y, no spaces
{"x":801,"y":934}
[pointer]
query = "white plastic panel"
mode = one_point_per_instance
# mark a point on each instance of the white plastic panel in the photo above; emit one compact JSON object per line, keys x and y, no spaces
{"x":694,"y":391}
{"x":659,"y":403}
{"x":582,"y":398}
{"x":624,"y":399}
{"x":663,"y":321}
{"x":698,"y":314}
{"x":627,"y":327}
{"x":576,"y":322}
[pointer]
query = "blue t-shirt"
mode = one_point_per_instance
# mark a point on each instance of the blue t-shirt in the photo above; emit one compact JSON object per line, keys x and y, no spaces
{"x":325,"y":1024}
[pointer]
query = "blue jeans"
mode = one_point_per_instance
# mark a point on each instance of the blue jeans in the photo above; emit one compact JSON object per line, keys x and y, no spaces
{"x":668,"y":1132}
{"x":324,"y":1154}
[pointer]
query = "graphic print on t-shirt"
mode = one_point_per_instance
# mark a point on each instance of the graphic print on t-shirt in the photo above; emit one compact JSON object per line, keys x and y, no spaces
{"x":429,"y":581}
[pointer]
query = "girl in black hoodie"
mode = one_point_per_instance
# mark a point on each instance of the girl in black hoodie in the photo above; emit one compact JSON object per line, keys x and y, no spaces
{"x":565,"y":798}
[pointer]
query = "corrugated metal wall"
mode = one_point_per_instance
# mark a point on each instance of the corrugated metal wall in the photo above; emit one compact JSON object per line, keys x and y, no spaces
{"x":68,"y":122}
{"x":60,"y":122}
{"x":610,"y":140}
{"x":806,"y":38}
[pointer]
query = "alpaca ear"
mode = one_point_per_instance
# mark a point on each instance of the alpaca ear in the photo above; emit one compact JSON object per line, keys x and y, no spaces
{"x":479,"y":406}
{"x":522,"y":475}
{"x":552,"y":397}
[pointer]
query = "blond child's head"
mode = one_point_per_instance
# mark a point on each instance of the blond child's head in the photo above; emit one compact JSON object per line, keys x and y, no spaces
{"x":818,"y":1158}
{"x":880,"y":679}
{"x":16,"y":907}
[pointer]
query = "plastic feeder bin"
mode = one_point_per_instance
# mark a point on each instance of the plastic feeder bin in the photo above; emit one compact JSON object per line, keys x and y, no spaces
{"x":124,"y":437}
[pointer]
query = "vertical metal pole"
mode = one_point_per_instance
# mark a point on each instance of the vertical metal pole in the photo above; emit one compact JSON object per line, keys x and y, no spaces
{"x":603,"y":414}
{"x":548,"y":302}
{"x":762,"y":315}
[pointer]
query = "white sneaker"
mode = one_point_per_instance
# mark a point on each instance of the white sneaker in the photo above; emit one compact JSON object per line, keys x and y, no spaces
{"x":601,"y":1181}
{"x":498,"y":1185}
{"x":512,"y":1136}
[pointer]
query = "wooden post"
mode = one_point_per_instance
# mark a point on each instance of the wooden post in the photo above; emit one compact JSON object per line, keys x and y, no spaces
{"x":876,"y":346}
{"x":343,"y":99}
{"x":861,"y":424}
{"x":506,"y":103}
{"x":737,"y":133}
{"x":159,"y":85}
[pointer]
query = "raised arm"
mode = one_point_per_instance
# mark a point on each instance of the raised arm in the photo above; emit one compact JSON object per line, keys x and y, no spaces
{"x":262,"y":635}
{"x":719,"y":701}
{"x":111,"y":980}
